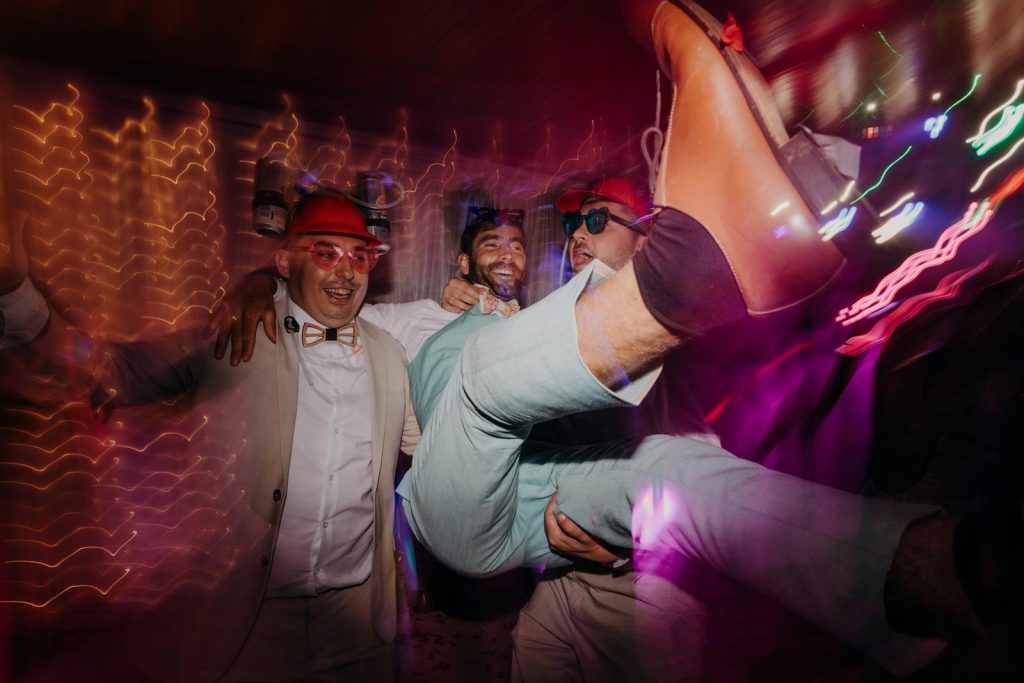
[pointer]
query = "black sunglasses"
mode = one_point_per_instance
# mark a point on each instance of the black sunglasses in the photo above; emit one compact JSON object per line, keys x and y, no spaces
{"x":498,"y":217}
{"x":597,"y":221}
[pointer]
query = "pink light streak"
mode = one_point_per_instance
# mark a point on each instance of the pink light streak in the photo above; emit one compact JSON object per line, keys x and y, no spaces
{"x":652,"y":516}
{"x":973,"y":222}
{"x":948,"y":288}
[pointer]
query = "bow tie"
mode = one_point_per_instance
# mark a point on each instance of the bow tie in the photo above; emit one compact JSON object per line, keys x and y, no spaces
{"x":492,"y":304}
{"x":314,"y":334}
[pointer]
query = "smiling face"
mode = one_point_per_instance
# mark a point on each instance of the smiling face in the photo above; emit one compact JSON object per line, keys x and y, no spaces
{"x":497,"y":261}
{"x":332,"y":297}
{"x":613,"y":246}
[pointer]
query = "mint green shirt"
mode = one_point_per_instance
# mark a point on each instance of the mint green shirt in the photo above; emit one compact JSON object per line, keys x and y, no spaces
{"x":435,"y":363}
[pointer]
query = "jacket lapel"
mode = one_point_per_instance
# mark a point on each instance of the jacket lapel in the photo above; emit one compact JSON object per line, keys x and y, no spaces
{"x":287,"y":385}
{"x":377,"y":367}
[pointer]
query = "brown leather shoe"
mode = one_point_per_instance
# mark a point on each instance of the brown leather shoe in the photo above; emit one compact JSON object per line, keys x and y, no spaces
{"x":730,"y":164}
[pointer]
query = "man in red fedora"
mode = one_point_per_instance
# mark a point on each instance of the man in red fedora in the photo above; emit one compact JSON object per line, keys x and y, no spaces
{"x":293,"y":576}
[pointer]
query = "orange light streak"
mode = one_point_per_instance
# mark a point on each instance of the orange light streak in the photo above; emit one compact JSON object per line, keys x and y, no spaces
{"x":74,"y":513}
{"x":87,"y":586}
{"x":53,"y":483}
{"x":68,"y":108}
{"x":112,"y":553}
{"x":579,"y":156}
{"x":110,"y":534}
{"x":130,"y":124}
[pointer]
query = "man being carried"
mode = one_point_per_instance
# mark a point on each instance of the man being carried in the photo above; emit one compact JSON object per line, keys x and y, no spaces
{"x":478,"y":485}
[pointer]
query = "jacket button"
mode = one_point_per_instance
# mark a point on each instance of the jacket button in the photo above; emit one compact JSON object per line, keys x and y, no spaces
{"x":277,"y":495}
{"x":264,"y":560}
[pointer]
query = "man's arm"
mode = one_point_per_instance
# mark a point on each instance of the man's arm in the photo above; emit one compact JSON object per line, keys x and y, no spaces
{"x":235,"y":318}
{"x":23,"y":312}
{"x":411,"y":323}
{"x":137,"y":372}
{"x":132,"y":372}
{"x":459,"y":296}
{"x":567,"y":538}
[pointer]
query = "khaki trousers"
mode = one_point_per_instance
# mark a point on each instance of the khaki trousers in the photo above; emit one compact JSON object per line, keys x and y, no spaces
{"x":327,"y":637}
{"x":608,"y":627}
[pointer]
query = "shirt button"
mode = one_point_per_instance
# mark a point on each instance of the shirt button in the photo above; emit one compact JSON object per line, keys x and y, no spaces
{"x":330,"y":478}
{"x":264,"y":560}
{"x":325,"y":525}
{"x":277,"y":495}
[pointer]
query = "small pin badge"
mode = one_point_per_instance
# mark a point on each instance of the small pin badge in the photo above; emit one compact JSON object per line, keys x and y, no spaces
{"x":291,"y":325}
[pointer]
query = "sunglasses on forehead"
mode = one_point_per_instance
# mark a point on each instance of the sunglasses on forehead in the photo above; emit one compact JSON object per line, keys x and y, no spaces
{"x":597,"y":221}
{"x":327,"y":256}
{"x":499,"y":217}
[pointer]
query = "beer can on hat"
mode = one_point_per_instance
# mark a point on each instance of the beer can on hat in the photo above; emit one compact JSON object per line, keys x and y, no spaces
{"x":373,"y":190}
{"x":270,"y":203}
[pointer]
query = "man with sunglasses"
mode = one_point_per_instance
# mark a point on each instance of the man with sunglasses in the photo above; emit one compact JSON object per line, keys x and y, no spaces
{"x":304,"y":560}
{"x":600,"y":620}
{"x":606,"y":222}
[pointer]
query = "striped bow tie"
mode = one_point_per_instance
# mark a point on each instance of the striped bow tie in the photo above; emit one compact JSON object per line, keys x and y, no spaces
{"x":314,"y":334}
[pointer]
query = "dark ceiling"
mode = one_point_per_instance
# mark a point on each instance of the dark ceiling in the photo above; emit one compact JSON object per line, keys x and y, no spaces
{"x":520,"y":64}
{"x":526,"y":67}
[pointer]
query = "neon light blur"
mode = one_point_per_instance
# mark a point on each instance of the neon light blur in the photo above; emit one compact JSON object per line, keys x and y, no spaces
{"x":995,"y":164}
{"x":948,"y":288}
{"x":881,"y":178}
{"x":1008,"y":122}
{"x":899,"y":203}
{"x":898,"y":223}
{"x":934,"y":125}
{"x":1007,"y":103}
{"x":838,"y":224}
{"x":970,"y":91}
{"x":652,"y":515}
{"x":974,"y":220}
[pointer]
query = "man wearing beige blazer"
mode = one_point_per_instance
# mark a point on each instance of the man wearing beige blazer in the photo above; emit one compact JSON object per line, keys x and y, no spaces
{"x":293,"y":576}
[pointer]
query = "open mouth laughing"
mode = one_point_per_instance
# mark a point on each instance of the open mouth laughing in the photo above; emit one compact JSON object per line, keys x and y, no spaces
{"x":339,"y":295}
{"x":505,"y":272}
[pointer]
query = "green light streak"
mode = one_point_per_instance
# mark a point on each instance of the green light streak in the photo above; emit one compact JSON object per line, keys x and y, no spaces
{"x":974,"y":85}
{"x":853,"y":112}
{"x":1008,"y":123}
{"x":882,"y":177}
{"x":882,"y":36}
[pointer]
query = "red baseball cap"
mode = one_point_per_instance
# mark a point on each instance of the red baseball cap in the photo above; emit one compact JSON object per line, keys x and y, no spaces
{"x":613,"y":189}
{"x":329,"y":214}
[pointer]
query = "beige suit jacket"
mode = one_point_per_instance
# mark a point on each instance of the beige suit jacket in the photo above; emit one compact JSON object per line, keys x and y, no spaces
{"x":198,"y":628}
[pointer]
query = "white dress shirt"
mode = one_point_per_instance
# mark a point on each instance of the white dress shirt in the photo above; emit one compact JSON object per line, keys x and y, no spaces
{"x":411,"y":324}
{"x":326,"y":533}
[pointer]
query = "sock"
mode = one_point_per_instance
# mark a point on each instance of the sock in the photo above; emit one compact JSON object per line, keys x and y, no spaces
{"x":685,"y":281}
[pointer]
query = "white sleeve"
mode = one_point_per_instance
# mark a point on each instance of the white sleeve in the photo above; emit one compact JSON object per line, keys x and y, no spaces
{"x":24,"y":314}
{"x":411,"y":324}
{"x":411,"y":431}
